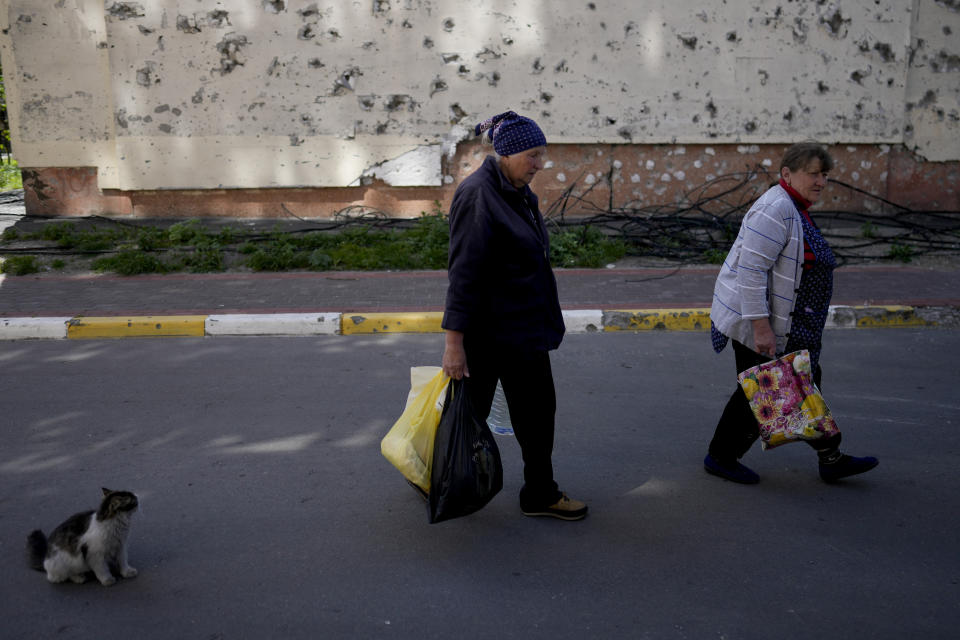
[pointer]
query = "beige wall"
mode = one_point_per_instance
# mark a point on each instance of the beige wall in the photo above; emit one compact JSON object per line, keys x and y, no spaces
{"x":261,"y":94}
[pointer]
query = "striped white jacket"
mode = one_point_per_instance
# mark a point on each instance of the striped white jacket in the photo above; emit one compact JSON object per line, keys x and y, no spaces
{"x":760,"y":275}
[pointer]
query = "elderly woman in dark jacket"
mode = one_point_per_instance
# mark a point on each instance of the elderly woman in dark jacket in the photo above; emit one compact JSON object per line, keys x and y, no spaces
{"x":771,"y":298}
{"x":502,"y":313}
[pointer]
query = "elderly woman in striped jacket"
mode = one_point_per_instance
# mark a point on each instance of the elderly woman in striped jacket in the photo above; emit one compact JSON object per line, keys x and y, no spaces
{"x":771,"y":297}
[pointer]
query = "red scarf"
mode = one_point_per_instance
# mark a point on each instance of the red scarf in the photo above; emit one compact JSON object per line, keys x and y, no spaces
{"x":809,"y":257}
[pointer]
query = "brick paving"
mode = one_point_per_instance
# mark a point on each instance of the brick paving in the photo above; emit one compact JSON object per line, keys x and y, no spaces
{"x":628,"y":288}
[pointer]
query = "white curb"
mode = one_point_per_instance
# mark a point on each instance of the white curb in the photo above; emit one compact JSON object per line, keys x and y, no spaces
{"x":33,"y":328}
{"x":583,"y":321}
{"x":273,"y":324}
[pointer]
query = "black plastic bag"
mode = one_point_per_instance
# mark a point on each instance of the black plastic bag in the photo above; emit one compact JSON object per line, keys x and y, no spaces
{"x":467,"y":471}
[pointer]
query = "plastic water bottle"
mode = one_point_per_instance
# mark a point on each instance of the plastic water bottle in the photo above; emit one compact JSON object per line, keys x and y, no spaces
{"x":499,"y":418}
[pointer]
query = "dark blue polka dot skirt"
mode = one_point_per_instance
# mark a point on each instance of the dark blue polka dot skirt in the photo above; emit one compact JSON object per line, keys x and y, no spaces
{"x":813,"y":295}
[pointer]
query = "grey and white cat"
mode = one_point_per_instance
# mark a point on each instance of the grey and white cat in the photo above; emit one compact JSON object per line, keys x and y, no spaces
{"x":88,"y":541}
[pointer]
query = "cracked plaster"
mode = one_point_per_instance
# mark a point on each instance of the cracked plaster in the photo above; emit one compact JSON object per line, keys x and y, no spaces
{"x":268,"y":93}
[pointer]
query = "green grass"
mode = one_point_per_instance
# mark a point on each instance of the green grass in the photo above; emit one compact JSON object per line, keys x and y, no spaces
{"x":423,"y":246}
{"x":20,"y":265}
{"x":189,"y":246}
{"x":131,"y":263}
{"x":714,"y":256}
{"x":901,"y":252}
{"x":585,"y":246}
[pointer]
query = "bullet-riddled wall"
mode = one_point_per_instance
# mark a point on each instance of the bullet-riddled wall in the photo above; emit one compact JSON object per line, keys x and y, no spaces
{"x":206,"y":107}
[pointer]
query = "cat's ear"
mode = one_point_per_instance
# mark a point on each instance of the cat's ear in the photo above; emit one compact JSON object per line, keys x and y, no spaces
{"x":106,"y":491}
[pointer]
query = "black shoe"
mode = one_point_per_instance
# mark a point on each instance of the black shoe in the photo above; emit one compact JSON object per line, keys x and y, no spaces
{"x":734,"y":472}
{"x":846,"y":466}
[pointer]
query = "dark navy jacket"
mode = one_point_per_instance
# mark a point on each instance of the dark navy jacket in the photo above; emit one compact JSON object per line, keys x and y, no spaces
{"x":502,"y":288}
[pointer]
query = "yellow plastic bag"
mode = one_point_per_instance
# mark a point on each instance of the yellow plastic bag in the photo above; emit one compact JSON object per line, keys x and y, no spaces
{"x":409,"y":443}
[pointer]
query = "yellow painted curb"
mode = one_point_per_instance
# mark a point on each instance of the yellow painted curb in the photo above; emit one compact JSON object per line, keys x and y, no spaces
{"x":358,"y":323}
{"x":135,"y":326}
{"x":888,"y":316}
{"x":657,"y":319}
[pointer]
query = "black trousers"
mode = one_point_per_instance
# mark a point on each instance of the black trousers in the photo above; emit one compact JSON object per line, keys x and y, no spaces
{"x":527,"y":380}
{"x":737,"y":429}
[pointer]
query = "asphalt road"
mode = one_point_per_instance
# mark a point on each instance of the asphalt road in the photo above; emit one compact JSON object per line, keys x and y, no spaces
{"x":268,"y":511}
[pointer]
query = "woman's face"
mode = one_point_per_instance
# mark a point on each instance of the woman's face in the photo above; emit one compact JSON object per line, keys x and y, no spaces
{"x":520,"y":168}
{"x":808,"y":182}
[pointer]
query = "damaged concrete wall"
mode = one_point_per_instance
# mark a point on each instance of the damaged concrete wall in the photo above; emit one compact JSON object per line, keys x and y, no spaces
{"x":253,"y":94}
{"x":57,"y":76}
{"x":933,"y":80}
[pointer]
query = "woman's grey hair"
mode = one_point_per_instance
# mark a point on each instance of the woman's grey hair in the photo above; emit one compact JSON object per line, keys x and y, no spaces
{"x":486,"y":143}
{"x":798,"y":156}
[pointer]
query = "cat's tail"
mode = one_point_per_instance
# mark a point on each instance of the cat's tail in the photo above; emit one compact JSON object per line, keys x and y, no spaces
{"x":36,"y":550}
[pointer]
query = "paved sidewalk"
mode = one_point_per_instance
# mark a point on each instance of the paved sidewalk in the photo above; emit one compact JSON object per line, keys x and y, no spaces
{"x":373,"y":302}
{"x":27,"y":296}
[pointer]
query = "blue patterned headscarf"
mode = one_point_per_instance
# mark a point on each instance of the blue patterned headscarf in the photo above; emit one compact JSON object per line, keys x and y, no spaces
{"x":511,"y":133}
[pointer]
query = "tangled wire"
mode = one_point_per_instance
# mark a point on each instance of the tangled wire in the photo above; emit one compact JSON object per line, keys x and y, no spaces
{"x":704,"y":224}
{"x":701,"y":227}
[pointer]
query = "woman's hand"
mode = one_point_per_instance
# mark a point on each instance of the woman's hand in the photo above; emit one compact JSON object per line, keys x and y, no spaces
{"x":764,"y":340}
{"x":454,"y":356}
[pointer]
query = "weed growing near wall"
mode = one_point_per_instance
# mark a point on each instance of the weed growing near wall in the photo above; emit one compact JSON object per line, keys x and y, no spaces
{"x":900,"y":252}
{"x":131,"y":263}
{"x":422,"y":246}
{"x":191,"y":247}
{"x":585,"y":247}
{"x":20,"y":265}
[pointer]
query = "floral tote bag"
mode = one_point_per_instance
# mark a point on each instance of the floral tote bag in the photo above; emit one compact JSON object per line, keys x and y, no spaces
{"x":786,"y":402}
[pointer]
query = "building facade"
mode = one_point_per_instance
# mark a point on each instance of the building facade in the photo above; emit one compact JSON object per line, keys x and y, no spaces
{"x":263,"y":108}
